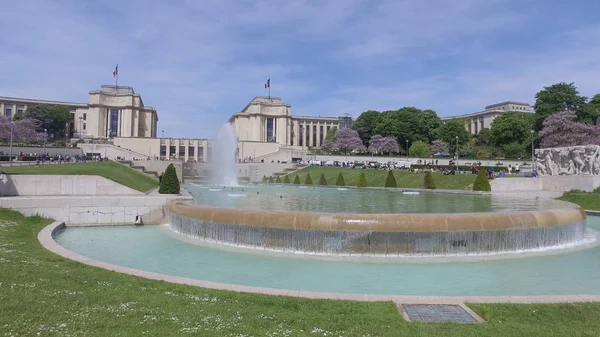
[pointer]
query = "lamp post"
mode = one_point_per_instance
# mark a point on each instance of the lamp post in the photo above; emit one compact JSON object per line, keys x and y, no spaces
{"x":163,"y":133}
{"x":532,"y":155}
{"x":407,"y":150}
{"x":45,"y":136}
{"x":11,"y":138}
{"x":456,"y":153}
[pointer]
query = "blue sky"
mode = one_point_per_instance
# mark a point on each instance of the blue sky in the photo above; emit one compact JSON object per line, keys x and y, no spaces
{"x":198,"y":62}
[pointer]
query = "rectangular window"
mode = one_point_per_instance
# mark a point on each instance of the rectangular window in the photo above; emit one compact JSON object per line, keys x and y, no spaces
{"x":321,"y":134}
{"x":271,"y":130}
{"x":200,"y":153}
{"x":19,"y":112}
{"x":191,"y":151}
{"x":181,"y":151}
{"x":172,"y":151}
{"x":163,"y":150}
{"x":114,"y":123}
{"x":84,"y":126}
{"x":301,"y":136}
{"x":84,"y":116}
{"x":314,"y":142}
{"x":8,"y":112}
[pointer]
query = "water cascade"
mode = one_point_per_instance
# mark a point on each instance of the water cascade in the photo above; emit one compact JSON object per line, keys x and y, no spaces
{"x":222,"y":164}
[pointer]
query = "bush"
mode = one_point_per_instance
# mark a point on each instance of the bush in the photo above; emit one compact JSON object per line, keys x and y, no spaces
{"x":322,"y":180}
{"x":286,"y":179}
{"x":481,"y":182}
{"x":169,"y":183}
{"x":265,"y":179}
{"x":340,"y":180}
{"x":308,"y":180}
{"x":271,"y":180}
{"x":278,"y":180}
{"x":297,"y":180}
{"x":428,"y":182}
{"x":390,"y":181}
{"x":362,"y":180}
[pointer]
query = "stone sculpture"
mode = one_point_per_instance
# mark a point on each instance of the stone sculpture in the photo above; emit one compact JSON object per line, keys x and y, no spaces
{"x":572,"y":160}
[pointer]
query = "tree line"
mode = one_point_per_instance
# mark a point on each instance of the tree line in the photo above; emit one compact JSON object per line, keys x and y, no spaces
{"x":562,"y":117}
{"x":37,"y":124}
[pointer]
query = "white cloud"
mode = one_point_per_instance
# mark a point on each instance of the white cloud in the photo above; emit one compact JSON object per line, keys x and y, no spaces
{"x":198,"y":62}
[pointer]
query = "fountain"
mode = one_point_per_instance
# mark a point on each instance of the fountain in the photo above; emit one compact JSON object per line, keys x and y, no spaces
{"x":222,"y":164}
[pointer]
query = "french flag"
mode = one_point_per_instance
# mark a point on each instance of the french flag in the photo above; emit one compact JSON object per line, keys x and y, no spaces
{"x":268,"y":84}
{"x":116,"y":72}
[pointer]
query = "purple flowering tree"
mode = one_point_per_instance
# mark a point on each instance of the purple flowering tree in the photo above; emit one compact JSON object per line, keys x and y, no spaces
{"x":348,"y":140}
{"x":23,"y":131}
{"x":562,"y":129}
{"x":439,"y":146}
{"x":375,"y":143}
{"x":390,"y":145}
{"x":329,"y":145}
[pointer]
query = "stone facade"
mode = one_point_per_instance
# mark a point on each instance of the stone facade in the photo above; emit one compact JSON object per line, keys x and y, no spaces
{"x":477,"y":121}
{"x":573,"y":160}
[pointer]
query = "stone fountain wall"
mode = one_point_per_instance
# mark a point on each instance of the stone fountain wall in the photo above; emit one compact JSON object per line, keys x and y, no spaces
{"x":572,"y":160}
{"x":380,"y":234}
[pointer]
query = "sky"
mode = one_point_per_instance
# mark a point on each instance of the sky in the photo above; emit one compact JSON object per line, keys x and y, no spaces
{"x":199,"y":62}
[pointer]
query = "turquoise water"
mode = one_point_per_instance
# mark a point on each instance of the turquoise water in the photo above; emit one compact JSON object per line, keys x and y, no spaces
{"x":151,"y":248}
{"x":332,"y":200}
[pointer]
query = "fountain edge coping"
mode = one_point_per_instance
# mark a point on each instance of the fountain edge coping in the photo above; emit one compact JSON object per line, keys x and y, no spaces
{"x":46,"y":239}
{"x":405,"y":222}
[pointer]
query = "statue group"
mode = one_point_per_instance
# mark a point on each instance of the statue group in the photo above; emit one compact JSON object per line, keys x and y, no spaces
{"x":572,"y":160}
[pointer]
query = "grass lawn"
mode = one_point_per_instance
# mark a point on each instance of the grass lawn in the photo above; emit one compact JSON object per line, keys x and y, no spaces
{"x":587,"y":200}
{"x":376,"y":178}
{"x":114,"y":171}
{"x":44,"y":294}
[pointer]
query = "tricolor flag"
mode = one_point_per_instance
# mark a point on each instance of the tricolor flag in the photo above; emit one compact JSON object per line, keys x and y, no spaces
{"x":268,"y":84}
{"x":116,"y":72}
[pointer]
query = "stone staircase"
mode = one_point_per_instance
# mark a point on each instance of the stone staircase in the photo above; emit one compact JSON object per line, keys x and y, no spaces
{"x":142,"y":169}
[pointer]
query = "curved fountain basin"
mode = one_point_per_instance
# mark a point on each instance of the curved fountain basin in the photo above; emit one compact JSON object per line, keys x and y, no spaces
{"x":381,"y":234}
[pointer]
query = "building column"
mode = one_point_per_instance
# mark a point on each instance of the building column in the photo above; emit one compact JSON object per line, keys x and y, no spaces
{"x":2,"y":108}
{"x":318,"y":134}
{"x":288,"y":132}
{"x":310,"y":134}
{"x":168,"y":148}
{"x":296,"y":132}
{"x":304,"y":131}
{"x":186,"y":156}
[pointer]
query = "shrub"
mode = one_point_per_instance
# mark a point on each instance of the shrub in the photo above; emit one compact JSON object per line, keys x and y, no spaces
{"x":390,"y":181}
{"x":297,"y":180}
{"x":322,"y":180}
{"x":271,"y":180}
{"x":308,"y":180}
{"x":428,"y":182}
{"x":169,"y":183}
{"x":286,"y":180}
{"x":481,"y":182}
{"x":340,"y":180}
{"x":264,"y":179}
{"x":362,"y":180}
{"x":278,"y":180}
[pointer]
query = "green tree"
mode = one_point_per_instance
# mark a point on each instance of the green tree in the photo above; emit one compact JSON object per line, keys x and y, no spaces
{"x":297,"y":180}
{"x":590,"y":112}
{"x":365,"y":125}
{"x":53,"y":118}
{"x":278,"y":180}
{"x":556,"y":98}
{"x":271,"y":180}
{"x":429,"y":123}
{"x":169,"y":183}
{"x":265,"y":180}
{"x":514,"y":150}
{"x":390,"y":181}
{"x":362,"y":180}
{"x":322,"y":180}
{"x":331,"y":133}
{"x":450,"y":130}
{"x":340,"y":180}
{"x":511,"y":127}
{"x":481,"y":182}
{"x":408,"y":123}
{"x":420,"y":149}
{"x":286,"y":179}
{"x":428,"y":182}
{"x":483,"y":137}
{"x":308,"y":180}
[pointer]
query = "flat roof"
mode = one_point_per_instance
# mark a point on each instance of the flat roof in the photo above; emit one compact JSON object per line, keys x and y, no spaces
{"x":40,"y":101}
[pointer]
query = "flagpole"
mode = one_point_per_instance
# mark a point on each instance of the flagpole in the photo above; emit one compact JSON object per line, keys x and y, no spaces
{"x":117,"y":78}
{"x":269,"y":88}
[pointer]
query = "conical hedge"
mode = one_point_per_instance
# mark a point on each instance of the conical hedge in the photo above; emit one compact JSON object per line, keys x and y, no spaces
{"x":308,"y":180}
{"x":481,"y":182}
{"x":278,"y":180}
{"x":169,"y":183}
{"x":322,"y":180}
{"x":286,"y":179}
{"x":362,"y":180}
{"x":390,"y":181}
{"x":428,"y":182}
{"x":271,"y":180}
{"x":264,"y":180}
{"x":297,"y":180}
{"x":340,"y":180}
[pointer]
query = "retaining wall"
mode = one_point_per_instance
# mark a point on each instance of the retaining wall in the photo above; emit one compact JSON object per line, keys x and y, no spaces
{"x":546,"y":183}
{"x":59,"y":185}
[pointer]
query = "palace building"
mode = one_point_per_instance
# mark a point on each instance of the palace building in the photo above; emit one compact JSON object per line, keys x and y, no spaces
{"x":479,"y":120}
